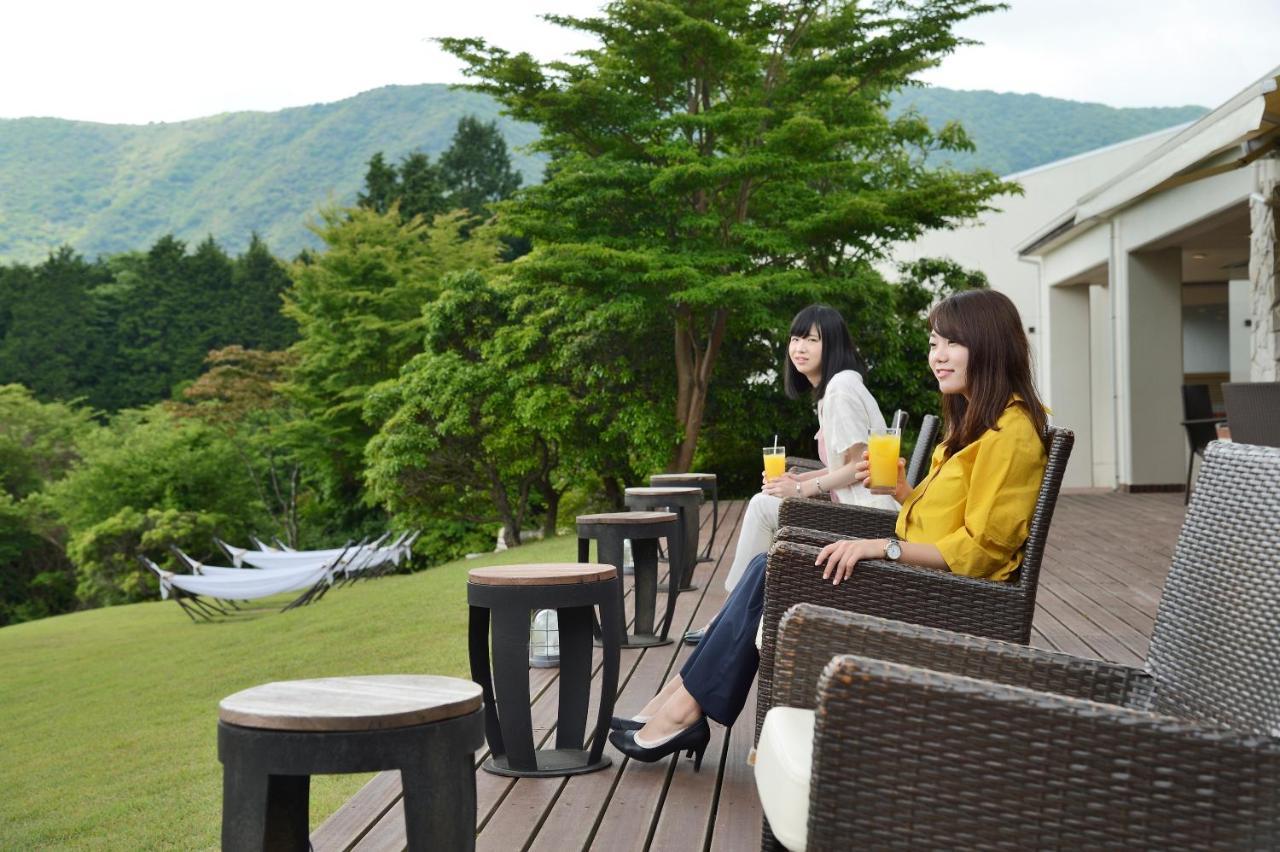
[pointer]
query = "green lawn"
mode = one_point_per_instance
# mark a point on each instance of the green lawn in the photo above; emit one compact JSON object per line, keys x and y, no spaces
{"x":108,"y":718}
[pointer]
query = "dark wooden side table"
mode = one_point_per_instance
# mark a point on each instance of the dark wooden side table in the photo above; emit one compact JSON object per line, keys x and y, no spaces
{"x":642,"y":529}
{"x":506,"y":595}
{"x":705,"y":481}
{"x":273,"y":738}
{"x":684,"y":502}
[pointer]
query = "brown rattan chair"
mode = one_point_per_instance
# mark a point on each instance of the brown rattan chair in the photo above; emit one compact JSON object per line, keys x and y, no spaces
{"x":999,"y":610}
{"x":928,"y":739}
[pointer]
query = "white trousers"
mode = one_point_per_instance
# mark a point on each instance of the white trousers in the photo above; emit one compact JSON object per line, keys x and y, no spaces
{"x":759,"y":524}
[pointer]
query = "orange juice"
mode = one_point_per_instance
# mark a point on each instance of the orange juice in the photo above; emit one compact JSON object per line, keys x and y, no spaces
{"x":882,"y":452}
{"x":775,"y":462}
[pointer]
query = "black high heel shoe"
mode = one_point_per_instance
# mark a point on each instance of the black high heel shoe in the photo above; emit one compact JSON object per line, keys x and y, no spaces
{"x":694,"y":738}
{"x":622,"y":723}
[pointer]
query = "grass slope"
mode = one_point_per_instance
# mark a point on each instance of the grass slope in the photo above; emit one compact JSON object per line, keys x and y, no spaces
{"x":108,"y":717}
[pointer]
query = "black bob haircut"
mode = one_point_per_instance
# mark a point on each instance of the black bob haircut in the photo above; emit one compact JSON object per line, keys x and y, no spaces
{"x":838,"y":351}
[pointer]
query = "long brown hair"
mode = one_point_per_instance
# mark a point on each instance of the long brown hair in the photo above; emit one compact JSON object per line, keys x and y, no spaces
{"x":987,"y":323}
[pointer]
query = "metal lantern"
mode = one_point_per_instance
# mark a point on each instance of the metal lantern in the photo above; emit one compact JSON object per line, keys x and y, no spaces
{"x":544,"y":640}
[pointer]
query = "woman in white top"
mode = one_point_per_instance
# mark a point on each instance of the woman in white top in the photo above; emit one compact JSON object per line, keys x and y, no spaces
{"x":821,"y":360}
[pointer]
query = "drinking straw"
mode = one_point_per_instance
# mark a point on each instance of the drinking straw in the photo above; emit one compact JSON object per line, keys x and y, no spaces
{"x":775,"y":442}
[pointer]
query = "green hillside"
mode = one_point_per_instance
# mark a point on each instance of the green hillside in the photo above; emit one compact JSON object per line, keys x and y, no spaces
{"x":109,"y":188}
{"x":1017,"y":132}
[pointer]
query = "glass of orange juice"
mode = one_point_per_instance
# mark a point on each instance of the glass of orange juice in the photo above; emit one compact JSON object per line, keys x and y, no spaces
{"x":775,"y":462}
{"x":882,"y":451}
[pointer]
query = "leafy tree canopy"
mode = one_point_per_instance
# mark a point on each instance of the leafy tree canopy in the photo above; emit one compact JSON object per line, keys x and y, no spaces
{"x":359,"y":310}
{"x":725,"y":157}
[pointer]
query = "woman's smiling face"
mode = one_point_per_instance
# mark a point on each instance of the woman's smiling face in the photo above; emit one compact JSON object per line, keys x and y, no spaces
{"x":949,"y":361}
{"x":805,"y":352}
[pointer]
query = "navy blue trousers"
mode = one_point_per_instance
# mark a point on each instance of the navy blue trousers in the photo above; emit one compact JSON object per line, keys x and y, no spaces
{"x":719,"y":672}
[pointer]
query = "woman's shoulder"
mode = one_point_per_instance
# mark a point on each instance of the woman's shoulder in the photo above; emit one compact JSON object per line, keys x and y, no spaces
{"x":1016,"y":426}
{"x":848,"y":381}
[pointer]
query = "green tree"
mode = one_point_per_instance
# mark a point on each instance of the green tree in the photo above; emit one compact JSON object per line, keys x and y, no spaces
{"x":47,"y":343}
{"x":421,"y":190}
{"x":359,"y":310}
{"x":725,"y":157}
{"x":38,"y":446}
{"x":239,"y":396}
{"x":476,"y":169}
{"x":259,"y":282}
{"x":381,"y":185}
{"x":146,"y":481}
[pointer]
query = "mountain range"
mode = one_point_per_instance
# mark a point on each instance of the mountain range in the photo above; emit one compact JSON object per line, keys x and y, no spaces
{"x":107,"y":188}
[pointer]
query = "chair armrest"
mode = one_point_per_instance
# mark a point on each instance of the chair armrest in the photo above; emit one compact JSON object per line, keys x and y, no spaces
{"x":933,"y":760}
{"x":804,"y":535}
{"x":809,"y":636}
{"x":848,"y":521}
{"x":803,"y":464}
{"x":891,"y":590}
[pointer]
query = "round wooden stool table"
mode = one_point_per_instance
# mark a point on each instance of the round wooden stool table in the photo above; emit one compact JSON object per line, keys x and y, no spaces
{"x":642,"y":529}
{"x":705,"y":481}
{"x":506,"y":595}
{"x":273,"y":738}
{"x":684,"y":502}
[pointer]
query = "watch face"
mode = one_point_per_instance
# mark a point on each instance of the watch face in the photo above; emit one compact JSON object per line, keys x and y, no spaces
{"x":893,"y":550}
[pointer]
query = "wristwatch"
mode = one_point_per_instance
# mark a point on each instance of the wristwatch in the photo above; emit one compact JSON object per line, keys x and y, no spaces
{"x":892,"y":550}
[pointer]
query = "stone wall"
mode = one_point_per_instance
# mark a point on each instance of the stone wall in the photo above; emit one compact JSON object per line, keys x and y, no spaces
{"x":1264,"y":264}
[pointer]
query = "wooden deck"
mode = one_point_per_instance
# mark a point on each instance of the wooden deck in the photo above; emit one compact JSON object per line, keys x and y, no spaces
{"x":1105,"y":564}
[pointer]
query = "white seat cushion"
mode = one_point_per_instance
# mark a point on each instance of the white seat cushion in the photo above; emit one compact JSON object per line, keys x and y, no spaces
{"x":784,"y":759}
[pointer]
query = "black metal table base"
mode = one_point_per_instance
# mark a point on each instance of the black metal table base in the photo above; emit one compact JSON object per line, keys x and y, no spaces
{"x":709,"y":489}
{"x":508,"y":723}
{"x":552,"y":763}
{"x":644,"y":549}
{"x":687,"y":510}
{"x":266,"y":780}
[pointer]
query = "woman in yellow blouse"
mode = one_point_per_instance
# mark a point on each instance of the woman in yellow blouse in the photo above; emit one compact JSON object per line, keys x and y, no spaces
{"x":970,"y":515}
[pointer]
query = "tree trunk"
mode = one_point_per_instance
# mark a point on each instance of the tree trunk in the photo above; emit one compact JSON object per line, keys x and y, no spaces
{"x":551,"y":497}
{"x":510,"y":519}
{"x":694,"y":364}
{"x":614,"y":493}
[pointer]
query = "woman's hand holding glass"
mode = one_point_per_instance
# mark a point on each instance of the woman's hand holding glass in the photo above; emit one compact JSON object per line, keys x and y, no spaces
{"x":781,"y":486}
{"x":862,"y":476}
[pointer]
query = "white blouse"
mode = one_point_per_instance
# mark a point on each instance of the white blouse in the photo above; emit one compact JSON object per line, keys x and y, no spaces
{"x":847,"y":413}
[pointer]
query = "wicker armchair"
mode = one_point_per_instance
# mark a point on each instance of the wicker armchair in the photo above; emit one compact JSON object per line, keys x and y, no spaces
{"x":927,"y":739}
{"x":901,"y":592}
{"x":1253,"y":412}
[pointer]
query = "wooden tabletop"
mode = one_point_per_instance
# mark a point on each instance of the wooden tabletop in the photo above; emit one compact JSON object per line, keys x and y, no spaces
{"x":682,"y":477}
{"x":627,"y":518}
{"x":662,"y":492}
{"x":543,"y":574}
{"x":368,"y":703}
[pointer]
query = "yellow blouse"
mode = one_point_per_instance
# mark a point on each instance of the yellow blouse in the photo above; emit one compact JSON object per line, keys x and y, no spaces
{"x":976,"y":506}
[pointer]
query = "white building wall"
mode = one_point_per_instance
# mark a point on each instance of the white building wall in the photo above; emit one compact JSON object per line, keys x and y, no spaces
{"x":1240,"y":323}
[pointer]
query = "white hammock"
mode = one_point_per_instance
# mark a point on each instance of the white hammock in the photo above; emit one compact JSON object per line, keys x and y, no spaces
{"x":247,"y":586}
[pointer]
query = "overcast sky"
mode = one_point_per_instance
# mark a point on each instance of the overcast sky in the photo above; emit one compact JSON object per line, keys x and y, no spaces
{"x":135,"y":61}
